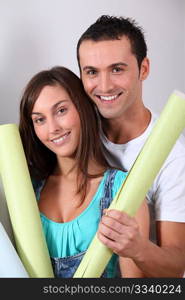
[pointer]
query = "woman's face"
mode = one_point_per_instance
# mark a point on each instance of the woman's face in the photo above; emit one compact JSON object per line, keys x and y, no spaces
{"x":56,"y":121}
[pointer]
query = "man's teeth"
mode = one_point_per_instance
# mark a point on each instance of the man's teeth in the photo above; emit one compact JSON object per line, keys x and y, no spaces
{"x":60,"y":139}
{"x":108,"y":98}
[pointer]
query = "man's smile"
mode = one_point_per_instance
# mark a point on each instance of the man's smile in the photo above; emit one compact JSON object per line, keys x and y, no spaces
{"x":108,"y":98}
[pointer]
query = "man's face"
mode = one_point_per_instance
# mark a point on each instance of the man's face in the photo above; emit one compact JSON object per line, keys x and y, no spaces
{"x":111,"y":76}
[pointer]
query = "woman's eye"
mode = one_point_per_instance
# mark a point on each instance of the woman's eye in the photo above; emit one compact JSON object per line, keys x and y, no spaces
{"x":61,"y":110}
{"x":38,"y":121}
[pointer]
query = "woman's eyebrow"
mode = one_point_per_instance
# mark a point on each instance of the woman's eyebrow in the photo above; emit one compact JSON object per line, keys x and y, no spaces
{"x":53,"y":107}
{"x":59,"y":102}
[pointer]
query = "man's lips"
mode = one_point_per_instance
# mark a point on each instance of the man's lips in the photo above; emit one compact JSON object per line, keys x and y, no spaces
{"x":108,"y":97}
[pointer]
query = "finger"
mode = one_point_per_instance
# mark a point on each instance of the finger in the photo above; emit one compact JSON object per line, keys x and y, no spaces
{"x":113,"y":224}
{"x":105,"y":211}
{"x":121,"y":217}
{"x":109,"y":232}
{"x":126,"y":234}
{"x":113,"y":245}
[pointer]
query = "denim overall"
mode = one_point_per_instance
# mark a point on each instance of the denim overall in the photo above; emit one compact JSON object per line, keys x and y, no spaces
{"x":65,"y":267}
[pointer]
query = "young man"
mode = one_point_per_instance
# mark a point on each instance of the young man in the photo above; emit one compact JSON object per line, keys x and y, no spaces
{"x":112,"y":57}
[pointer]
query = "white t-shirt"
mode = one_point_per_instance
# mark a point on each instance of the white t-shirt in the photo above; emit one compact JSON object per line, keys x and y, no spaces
{"x":166,"y":197}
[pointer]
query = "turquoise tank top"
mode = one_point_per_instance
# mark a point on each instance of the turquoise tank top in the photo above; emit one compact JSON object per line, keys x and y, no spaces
{"x":70,"y":238}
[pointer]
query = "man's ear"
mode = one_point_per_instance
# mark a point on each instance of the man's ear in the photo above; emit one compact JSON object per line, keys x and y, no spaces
{"x":144,"y":69}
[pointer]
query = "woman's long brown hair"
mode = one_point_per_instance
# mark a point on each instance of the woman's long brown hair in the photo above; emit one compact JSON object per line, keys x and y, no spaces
{"x":41,"y":161}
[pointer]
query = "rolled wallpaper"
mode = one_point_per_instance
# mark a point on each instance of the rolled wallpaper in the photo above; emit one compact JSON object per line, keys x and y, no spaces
{"x":10,"y":263}
{"x":22,"y":205}
{"x":141,"y":176}
{"x":4,"y":215}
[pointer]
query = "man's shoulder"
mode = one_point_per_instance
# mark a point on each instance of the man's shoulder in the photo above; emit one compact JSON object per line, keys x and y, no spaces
{"x":179,"y":146}
{"x":178,"y":150}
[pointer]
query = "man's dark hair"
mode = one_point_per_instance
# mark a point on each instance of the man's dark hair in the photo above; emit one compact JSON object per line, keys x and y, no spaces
{"x":113,"y":28}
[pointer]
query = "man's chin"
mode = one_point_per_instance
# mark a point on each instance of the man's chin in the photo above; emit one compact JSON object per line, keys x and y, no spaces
{"x":107,"y":114}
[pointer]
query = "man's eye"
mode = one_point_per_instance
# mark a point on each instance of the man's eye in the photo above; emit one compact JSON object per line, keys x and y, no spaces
{"x":91,"y":72}
{"x":116,"y":70}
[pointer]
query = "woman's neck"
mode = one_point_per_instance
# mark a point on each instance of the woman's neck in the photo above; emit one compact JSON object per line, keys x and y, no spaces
{"x":68,"y":167}
{"x":65,"y":167}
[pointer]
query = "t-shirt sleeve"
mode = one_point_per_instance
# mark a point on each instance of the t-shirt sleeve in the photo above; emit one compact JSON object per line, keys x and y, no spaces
{"x":170,"y":192}
{"x":118,"y":181}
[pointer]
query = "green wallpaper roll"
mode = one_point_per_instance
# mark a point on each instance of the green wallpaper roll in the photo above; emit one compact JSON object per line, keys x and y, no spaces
{"x":141,"y":176}
{"x":24,"y":213}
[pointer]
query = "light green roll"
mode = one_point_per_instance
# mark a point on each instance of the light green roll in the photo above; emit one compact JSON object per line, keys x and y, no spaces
{"x":24,"y":213}
{"x":134,"y":189}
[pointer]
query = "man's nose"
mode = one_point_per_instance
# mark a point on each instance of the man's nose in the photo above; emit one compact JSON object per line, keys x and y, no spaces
{"x":105,"y":83}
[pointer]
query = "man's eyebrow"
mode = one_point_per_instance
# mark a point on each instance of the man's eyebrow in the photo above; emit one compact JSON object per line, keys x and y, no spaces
{"x":118,"y":64}
{"x":110,"y":66}
{"x":88,"y":67}
{"x":53,"y":107}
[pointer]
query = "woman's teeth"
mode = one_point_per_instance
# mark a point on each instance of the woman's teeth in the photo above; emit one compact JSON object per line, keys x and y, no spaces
{"x":56,"y":141}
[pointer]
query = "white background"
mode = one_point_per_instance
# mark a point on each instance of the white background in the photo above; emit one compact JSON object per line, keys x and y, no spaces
{"x":38,"y":34}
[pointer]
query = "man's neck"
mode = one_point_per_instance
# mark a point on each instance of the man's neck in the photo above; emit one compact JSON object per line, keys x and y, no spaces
{"x":123,"y":130}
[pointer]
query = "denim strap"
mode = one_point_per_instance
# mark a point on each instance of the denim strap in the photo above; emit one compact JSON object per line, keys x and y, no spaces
{"x":107,"y":195}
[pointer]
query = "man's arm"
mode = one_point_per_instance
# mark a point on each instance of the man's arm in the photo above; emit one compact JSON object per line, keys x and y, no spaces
{"x":128,"y":267}
{"x":167,"y":259}
{"x":124,"y":234}
{"x":139,"y":256}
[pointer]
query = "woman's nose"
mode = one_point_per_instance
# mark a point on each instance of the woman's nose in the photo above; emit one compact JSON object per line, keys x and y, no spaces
{"x":53,"y":126}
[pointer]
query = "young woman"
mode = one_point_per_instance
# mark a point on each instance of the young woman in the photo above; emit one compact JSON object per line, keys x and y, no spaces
{"x":72,"y":180}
